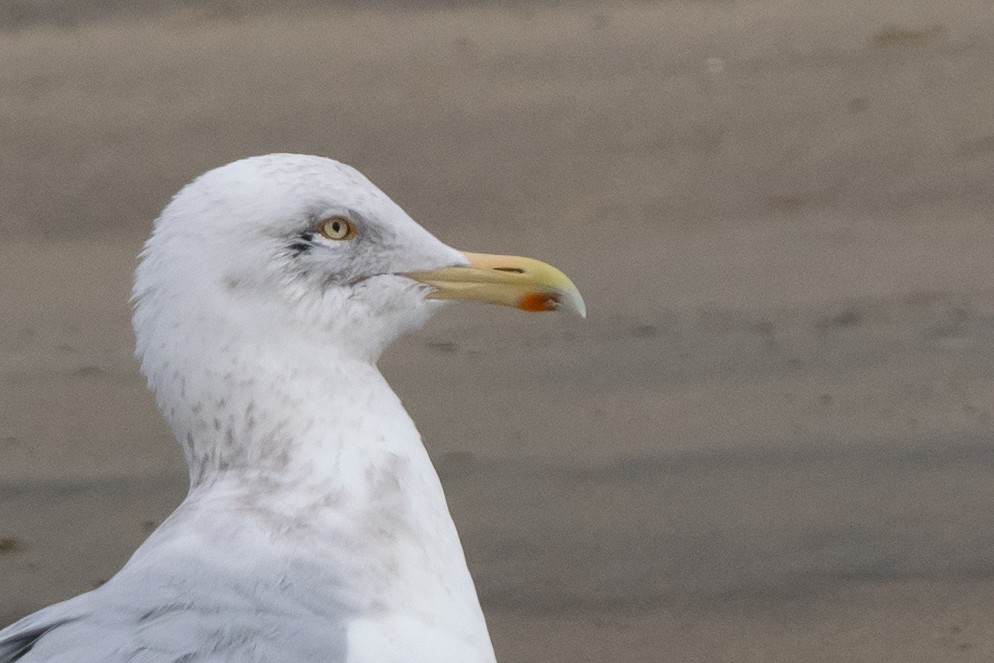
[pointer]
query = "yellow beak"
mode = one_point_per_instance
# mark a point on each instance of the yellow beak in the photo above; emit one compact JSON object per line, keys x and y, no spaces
{"x":524,"y":283}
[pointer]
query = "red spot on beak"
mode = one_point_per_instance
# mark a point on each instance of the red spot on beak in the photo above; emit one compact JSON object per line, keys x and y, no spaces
{"x":537,"y":301}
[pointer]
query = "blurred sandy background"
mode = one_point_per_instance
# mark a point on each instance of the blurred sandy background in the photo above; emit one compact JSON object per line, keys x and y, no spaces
{"x":771,"y":441}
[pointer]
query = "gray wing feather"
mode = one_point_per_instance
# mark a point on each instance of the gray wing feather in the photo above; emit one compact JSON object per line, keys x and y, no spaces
{"x":18,"y":639}
{"x":183,"y":598}
{"x":184,"y":616}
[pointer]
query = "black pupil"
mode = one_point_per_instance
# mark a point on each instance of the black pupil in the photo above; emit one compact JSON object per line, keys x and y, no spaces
{"x":336,"y":226}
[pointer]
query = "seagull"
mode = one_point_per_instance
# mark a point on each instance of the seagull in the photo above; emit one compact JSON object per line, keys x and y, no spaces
{"x":315,"y":527}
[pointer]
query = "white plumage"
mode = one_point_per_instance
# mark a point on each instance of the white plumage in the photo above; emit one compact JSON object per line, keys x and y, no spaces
{"x":315,"y":528}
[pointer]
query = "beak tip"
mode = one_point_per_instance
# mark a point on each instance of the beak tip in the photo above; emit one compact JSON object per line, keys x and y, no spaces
{"x":573,"y":301}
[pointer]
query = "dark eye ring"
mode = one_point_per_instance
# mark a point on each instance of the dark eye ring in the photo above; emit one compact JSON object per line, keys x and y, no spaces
{"x":337,"y":228}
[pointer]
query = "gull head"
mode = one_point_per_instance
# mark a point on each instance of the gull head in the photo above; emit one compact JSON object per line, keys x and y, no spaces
{"x":290,"y":246}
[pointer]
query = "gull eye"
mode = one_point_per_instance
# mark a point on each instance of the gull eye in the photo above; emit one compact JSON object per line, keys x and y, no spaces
{"x":337,"y":228}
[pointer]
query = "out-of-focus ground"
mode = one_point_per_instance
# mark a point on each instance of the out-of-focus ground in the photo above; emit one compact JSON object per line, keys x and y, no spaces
{"x":772,"y":439}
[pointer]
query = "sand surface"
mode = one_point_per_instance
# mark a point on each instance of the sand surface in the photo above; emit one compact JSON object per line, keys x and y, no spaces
{"x":771,"y":441}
